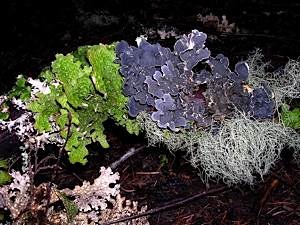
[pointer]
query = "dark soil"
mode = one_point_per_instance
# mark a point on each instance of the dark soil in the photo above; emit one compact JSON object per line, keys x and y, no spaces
{"x":33,"y":32}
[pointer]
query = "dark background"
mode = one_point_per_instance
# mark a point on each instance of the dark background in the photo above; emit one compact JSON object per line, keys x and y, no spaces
{"x":34,"y":31}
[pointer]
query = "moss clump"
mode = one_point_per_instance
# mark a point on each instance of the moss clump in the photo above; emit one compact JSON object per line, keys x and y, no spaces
{"x":85,"y":91}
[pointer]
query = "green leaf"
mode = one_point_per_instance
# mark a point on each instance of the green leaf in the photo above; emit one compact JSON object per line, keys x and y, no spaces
{"x":290,"y":118}
{"x":20,"y":90}
{"x":76,"y":147}
{"x":75,"y":117}
{"x":100,"y":137}
{"x":4,"y":177}
{"x":3,"y":164}
{"x":63,"y":101}
{"x":4,"y":111}
{"x":109,"y":82}
{"x":4,"y":115}
{"x":35,"y":106}
{"x":45,"y":106}
{"x":42,"y":123}
{"x":73,"y":140}
{"x":62,"y":119}
{"x":47,"y":75}
{"x":70,"y":206}
{"x":81,"y":55}
{"x":133,"y":127}
{"x":25,"y":95}
{"x":98,"y":57}
{"x":78,"y":154}
{"x":75,"y":78}
{"x":21,"y":81}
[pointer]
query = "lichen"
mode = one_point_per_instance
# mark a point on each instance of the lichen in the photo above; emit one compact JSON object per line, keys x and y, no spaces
{"x":85,"y":91}
{"x":241,"y":151}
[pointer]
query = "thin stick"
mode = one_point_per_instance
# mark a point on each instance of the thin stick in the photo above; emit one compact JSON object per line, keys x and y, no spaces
{"x":169,"y":206}
{"x":69,"y":134}
{"x":148,"y":173}
{"x":131,"y":152}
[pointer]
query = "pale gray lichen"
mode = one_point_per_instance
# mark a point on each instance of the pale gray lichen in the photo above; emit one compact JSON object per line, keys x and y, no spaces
{"x":284,"y":83}
{"x":242,"y":151}
{"x":23,"y":199}
{"x":15,"y":196}
{"x":23,"y":128}
{"x":95,"y":196}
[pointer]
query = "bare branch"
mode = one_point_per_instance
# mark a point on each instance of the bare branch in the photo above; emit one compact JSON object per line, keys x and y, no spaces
{"x":131,"y":152}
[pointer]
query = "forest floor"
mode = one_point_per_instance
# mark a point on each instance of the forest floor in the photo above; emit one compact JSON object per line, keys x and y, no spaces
{"x":35,"y":32}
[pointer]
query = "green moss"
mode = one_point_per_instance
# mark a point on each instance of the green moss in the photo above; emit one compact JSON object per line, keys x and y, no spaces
{"x":75,"y":78}
{"x":45,"y":106}
{"x":290,"y":118}
{"x":86,"y":90}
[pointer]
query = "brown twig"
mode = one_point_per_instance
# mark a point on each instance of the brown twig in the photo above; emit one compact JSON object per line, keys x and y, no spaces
{"x":63,"y":148}
{"x":14,"y":161}
{"x":274,"y":184}
{"x":128,"y":154}
{"x":48,"y":197}
{"x":52,"y":167}
{"x":287,"y":182}
{"x":34,"y":169}
{"x":42,"y":161}
{"x":148,"y":173}
{"x":169,"y":205}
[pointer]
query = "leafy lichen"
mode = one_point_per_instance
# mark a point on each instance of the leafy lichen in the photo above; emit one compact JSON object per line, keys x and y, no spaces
{"x":85,"y":91}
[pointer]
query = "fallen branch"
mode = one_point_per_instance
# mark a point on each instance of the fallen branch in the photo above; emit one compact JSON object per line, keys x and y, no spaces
{"x":169,"y":205}
{"x":131,"y":152}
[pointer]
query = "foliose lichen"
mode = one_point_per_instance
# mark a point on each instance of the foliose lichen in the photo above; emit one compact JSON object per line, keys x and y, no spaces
{"x":75,"y":96}
{"x":188,"y":86}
